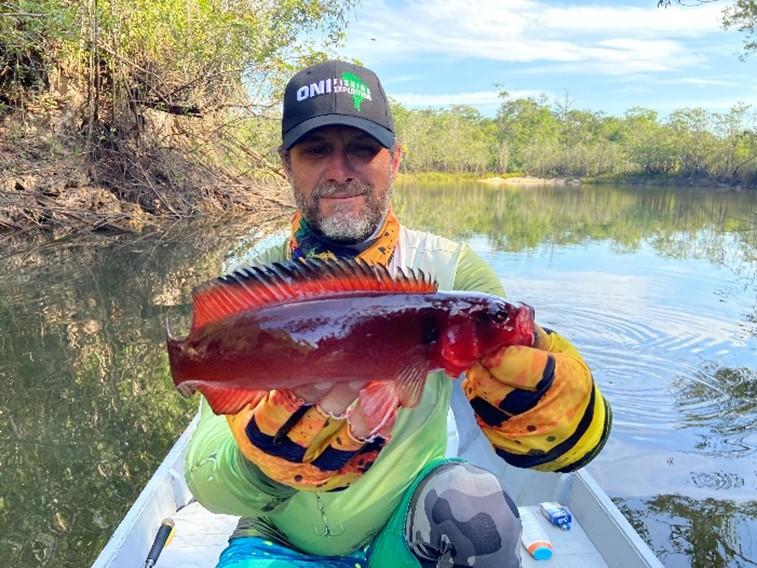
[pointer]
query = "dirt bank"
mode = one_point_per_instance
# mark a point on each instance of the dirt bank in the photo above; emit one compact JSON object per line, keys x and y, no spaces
{"x":53,"y":179}
{"x":529,"y":180}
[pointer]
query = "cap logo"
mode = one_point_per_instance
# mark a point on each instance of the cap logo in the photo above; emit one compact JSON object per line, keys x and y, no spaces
{"x":348,"y":83}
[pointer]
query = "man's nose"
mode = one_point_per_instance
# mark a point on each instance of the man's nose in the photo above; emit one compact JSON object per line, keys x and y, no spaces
{"x":339,"y":168}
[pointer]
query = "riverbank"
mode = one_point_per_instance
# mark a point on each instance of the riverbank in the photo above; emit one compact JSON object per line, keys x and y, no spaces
{"x":518,"y":179}
{"x":53,"y":179}
{"x":511,"y":178}
{"x":668,"y":180}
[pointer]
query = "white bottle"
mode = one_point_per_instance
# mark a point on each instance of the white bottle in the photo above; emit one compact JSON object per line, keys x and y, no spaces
{"x":533,"y":538}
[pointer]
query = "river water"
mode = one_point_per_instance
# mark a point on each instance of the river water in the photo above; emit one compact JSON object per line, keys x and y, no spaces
{"x":657,"y":288}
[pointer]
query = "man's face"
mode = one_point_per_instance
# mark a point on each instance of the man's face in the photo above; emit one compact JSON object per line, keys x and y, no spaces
{"x":341,"y":179}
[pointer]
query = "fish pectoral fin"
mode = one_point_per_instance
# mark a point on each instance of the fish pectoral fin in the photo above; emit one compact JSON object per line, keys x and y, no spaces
{"x":375,"y":411}
{"x":410,"y":383}
{"x":229,"y":401}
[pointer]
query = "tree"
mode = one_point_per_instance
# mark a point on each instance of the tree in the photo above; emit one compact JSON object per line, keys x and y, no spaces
{"x":524,"y":123}
{"x":740,"y":15}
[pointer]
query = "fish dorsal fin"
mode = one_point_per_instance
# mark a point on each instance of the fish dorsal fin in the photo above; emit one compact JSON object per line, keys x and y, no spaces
{"x":256,"y":287}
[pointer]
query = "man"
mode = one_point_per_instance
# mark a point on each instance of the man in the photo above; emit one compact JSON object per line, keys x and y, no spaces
{"x":318,"y":485}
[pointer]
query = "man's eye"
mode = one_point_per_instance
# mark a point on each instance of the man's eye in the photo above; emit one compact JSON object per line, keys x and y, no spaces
{"x":318,"y":150}
{"x":364,"y":150}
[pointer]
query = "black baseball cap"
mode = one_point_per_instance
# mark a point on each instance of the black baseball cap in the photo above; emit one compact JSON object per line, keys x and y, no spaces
{"x":336,"y":93}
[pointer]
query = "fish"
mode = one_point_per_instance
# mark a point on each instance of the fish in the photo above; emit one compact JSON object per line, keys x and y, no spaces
{"x":309,"y":321}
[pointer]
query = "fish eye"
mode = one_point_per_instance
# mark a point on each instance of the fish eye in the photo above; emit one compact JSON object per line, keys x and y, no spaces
{"x":499,"y":315}
{"x":496,"y":315}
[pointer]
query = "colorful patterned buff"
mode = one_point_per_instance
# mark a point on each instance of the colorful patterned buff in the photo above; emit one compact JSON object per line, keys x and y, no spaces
{"x":306,"y":243}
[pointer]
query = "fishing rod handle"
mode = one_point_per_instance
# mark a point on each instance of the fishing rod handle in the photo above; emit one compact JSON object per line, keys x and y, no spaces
{"x":164,"y":533}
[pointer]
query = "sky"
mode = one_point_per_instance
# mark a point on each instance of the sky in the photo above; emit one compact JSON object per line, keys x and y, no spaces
{"x":602,"y":56}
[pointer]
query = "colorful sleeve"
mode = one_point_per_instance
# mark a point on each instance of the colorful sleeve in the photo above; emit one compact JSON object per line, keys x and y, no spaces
{"x":539,"y":406}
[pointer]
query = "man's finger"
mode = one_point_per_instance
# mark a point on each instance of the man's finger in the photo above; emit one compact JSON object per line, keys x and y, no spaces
{"x":336,"y":402}
{"x":313,"y":392}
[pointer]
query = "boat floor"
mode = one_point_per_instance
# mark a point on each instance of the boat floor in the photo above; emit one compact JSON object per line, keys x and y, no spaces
{"x":200,"y":536}
{"x":600,"y":536}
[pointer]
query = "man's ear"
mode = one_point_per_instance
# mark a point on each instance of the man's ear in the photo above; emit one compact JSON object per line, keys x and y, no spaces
{"x":286,"y":163}
{"x":397,"y":159}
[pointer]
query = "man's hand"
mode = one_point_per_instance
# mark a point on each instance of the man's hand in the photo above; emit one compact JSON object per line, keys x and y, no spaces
{"x":337,"y":401}
{"x":538,"y":405}
{"x":317,"y":437}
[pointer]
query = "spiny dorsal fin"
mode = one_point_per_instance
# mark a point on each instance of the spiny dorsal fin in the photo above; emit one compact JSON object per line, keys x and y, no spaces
{"x":256,"y":287}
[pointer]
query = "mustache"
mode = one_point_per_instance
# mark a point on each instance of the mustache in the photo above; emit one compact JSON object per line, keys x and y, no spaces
{"x":351,"y":189}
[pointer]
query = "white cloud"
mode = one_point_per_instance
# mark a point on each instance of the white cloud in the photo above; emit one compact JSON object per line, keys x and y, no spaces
{"x":476,"y":98}
{"x":637,"y":21}
{"x":400,"y":79}
{"x":699,"y":82}
{"x":610,"y":40}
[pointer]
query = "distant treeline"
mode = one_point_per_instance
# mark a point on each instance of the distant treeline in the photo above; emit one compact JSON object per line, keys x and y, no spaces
{"x":532,"y":136}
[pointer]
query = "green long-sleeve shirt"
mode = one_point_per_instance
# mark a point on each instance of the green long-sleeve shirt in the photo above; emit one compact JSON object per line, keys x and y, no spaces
{"x":225,"y":482}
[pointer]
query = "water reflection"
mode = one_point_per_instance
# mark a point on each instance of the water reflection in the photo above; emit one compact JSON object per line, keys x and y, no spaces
{"x":704,"y":533}
{"x":87,"y":410}
{"x":679,"y":223}
{"x":720,"y":404}
{"x":659,"y":289}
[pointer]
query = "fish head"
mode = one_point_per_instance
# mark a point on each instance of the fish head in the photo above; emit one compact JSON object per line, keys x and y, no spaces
{"x":489,"y":323}
{"x":502,"y":324}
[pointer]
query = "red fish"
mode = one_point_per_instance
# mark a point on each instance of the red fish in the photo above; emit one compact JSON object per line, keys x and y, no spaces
{"x":313,"y":321}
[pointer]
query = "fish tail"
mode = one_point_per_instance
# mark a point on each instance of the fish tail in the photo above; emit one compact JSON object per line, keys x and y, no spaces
{"x":230,"y":401}
{"x":173,"y":346}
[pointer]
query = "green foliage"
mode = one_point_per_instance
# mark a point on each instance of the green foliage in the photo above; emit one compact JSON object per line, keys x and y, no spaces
{"x":742,"y":15}
{"x":532,"y":136}
{"x":31,"y":32}
{"x":457,"y":139}
{"x":186,"y":53}
{"x":202,"y":55}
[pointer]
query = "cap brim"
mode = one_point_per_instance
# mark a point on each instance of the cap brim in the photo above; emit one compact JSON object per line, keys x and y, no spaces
{"x":383,"y":135}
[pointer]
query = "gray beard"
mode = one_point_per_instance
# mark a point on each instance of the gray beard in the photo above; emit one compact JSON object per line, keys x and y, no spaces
{"x":342,"y":225}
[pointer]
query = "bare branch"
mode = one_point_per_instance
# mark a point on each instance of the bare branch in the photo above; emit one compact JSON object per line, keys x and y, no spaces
{"x":20,"y":15}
